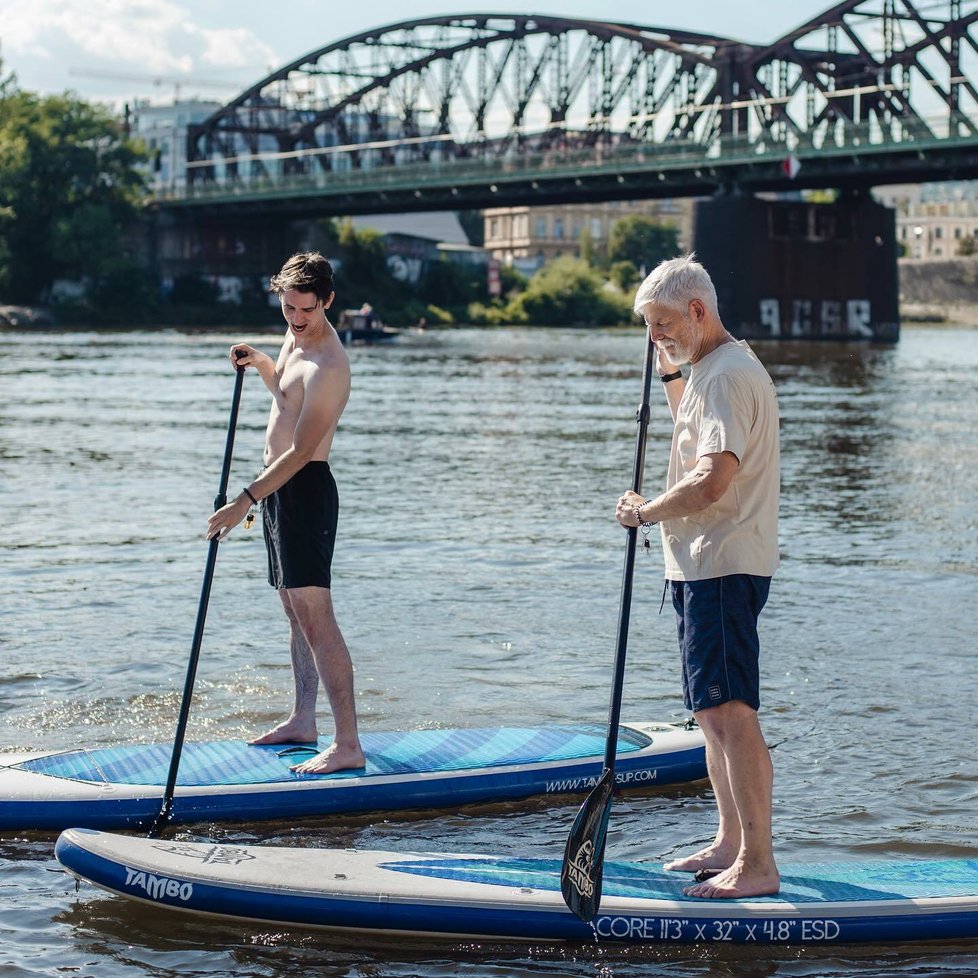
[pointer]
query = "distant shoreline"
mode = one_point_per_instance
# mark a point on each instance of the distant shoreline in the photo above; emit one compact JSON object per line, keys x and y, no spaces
{"x":935,"y":314}
{"x":939,"y":314}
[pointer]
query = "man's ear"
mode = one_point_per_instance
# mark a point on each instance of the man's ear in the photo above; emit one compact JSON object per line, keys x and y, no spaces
{"x":697,"y":310}
{"x":329,"y":301}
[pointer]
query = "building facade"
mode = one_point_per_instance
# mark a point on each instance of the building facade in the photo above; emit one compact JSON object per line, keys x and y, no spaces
{"x":163,"y":129}
{"x":937,"y":220}
{"x":527,"y":237}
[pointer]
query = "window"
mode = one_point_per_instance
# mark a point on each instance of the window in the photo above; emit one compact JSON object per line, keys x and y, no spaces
{"x":596,"y":227}
{"x":541,"y":227}
{"x":558,"y":227}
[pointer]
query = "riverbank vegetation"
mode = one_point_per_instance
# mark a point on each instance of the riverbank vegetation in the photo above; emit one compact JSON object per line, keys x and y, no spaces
{"x":70,"y":195}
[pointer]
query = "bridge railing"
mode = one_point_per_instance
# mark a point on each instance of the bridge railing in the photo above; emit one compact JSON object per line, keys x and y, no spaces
{"x":332,"y":169}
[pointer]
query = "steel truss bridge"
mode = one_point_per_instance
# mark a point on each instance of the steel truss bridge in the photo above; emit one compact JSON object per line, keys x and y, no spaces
{"x":478,"y":110}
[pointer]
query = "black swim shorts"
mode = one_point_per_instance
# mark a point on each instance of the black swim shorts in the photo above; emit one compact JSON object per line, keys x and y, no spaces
{"x":299,"y":521}
{"x":717,"y":624}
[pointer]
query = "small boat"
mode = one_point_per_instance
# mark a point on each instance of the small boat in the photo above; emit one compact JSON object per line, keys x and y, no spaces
{"x":363,"y":326}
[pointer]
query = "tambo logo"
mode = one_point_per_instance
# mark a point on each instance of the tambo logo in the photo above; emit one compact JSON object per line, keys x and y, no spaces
{"x":157,"y":887}
{"x":579,"y":870}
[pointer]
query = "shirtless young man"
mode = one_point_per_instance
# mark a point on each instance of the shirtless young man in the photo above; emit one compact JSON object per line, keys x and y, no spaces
{"x":719,"y":524}
{"x":310,"y":385}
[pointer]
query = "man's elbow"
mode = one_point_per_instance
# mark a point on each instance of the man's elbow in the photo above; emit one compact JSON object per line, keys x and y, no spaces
{"x":711,"y":493}
{"x":711,"y":490}
{"x":303,"y":453}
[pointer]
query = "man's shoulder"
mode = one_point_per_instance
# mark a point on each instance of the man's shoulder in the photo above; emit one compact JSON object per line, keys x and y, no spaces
{"x":740,"y":361}
{"x":328,"y":354}
{"x":328,"y":365}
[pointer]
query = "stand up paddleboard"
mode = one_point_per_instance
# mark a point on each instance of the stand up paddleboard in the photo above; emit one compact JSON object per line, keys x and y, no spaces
{"x":122,"y":787}
{"x":475,"y":896}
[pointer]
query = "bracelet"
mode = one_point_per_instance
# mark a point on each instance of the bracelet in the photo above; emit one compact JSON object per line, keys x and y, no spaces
{"x":644,"y":524}
{"x":247,"y":492}
{"x":665,"y":378}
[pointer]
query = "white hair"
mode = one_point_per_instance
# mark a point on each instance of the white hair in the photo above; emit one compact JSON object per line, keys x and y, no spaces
{"x":674,"y":283}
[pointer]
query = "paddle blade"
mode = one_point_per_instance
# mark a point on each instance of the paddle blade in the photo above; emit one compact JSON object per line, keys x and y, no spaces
{"x":580,"y":876}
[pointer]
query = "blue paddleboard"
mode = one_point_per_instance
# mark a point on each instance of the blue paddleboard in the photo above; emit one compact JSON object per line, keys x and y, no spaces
{"x":466,"y":896}
{"x":122,"y":787}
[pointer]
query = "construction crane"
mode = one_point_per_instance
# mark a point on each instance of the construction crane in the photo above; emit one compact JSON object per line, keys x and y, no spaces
{"x":175,"y":80}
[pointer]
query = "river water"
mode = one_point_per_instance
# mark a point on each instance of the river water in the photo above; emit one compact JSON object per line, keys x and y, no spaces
{"x":476,"y":580}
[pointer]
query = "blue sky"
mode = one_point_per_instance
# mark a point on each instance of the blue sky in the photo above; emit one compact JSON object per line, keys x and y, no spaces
{"x":117,"y":50}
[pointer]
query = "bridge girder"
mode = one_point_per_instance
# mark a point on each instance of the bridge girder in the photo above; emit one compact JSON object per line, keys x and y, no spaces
{"x":498,"y":88}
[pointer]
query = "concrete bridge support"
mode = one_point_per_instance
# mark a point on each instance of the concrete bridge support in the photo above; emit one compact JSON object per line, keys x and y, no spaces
{"x":800,"y":270}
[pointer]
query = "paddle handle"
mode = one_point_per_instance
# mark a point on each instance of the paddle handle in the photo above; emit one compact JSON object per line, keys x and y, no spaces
{"x":631,"y":543}
{"x":205,"y":592}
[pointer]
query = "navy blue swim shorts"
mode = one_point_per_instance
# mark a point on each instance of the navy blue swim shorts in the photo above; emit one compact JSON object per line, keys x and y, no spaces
{"x":299,"y":521}
{"x":717,"y":624}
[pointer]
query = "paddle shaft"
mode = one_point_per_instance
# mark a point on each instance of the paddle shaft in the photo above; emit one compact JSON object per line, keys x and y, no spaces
{"x":625,"y":608}
{"x":205,"y":592}
{"x":580,"y":875}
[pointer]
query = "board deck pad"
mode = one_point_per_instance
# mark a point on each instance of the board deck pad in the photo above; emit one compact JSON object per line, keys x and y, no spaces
{"x":122,"y":786}
{"x":232,"y":762}
{"x":443,"y":895}
{"x":810,"y":883}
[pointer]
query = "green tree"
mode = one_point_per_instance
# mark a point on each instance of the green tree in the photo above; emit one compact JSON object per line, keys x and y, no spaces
{"x":568,"y":292}
{"x":363,"y":261}
{"x":473,"y":224}
{"x":624,"y":275}
{"x":967,"y":246}
{"x":586,"y":248}
{"x":452,"y":286}
{"x":69,"y":192}
{"x":642,"y":241}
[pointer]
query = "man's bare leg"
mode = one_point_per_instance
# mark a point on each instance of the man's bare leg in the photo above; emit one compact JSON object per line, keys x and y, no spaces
{"x":750,"y":778}
{"x":722,"y":852}
{"x":300,"y":725}
{"x":313,"y":609}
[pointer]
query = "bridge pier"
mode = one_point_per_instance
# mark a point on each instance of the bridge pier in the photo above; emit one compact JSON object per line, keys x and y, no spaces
{"x":800,"y":270}
{"x":248,"y":247}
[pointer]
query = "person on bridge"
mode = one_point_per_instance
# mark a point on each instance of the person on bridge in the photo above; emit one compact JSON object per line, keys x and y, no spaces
{"x":719,"y":526}
{"x":310,"y":385}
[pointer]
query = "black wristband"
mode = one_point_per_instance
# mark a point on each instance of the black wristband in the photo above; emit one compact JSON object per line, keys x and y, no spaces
{"x":665,"y":378}
{"x":247,"y":492}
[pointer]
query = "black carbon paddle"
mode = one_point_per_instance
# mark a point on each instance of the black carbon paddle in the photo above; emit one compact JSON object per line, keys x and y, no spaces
{"x":580,"y":876}
{"x":205,"y":592}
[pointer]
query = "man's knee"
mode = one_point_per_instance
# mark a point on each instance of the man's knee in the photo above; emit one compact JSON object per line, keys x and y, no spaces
{"x":718,"y":720}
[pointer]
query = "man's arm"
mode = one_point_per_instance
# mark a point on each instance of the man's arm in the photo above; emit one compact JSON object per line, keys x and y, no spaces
{"x":324,"y":397}
{"x":673,"y":388}
{"x":262,"y":362}
{"x":696,"y":491}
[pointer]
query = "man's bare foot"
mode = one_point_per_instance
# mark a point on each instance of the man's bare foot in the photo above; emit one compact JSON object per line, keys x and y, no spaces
{"x":334,"y":758}
{"x":712,"y":857}
{"x":737,"y":882}
{"x":287,"y":732}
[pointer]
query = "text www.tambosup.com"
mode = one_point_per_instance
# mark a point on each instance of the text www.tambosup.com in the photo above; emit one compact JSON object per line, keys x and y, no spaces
{"x":621,"y":777}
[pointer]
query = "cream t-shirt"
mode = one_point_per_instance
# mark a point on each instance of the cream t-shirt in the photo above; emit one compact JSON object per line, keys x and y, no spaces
{"x":729,"y":405}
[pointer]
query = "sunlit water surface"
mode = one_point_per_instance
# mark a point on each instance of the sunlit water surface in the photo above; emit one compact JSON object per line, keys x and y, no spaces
{"x":476,"y":579}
